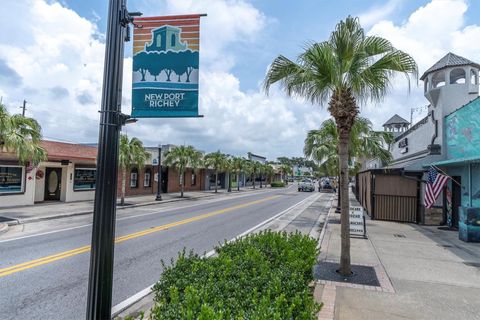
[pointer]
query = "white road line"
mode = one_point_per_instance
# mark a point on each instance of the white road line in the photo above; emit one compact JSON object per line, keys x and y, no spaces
{"x":208,"y":201}
{"x":141,"y":294}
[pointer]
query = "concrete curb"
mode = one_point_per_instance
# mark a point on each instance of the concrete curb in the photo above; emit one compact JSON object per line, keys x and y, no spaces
{"x":79,"y":213}
{"x":143,"y":204}
{"x":3,"y":227}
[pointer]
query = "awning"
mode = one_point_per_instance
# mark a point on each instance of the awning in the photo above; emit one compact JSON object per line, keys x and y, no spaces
{"x":456,"y":161}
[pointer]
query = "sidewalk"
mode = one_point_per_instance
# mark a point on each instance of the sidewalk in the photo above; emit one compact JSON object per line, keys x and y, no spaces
{"x":56,"y":210}
{"x":424,"y":273}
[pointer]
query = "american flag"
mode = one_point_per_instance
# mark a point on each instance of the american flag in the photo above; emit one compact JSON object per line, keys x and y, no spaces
{"x":435,"y":183}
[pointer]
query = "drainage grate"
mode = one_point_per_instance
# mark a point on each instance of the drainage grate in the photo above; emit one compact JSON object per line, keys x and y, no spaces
{"x":445,"y":246}
{"x":397,"y":235}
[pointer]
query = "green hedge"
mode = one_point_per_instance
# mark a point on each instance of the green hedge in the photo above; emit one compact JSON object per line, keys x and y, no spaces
{"x":277,"y":184}
{"x":262,"y":276}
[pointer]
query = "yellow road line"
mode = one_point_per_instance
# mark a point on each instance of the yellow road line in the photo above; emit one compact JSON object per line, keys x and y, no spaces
{"x":62,"y":255}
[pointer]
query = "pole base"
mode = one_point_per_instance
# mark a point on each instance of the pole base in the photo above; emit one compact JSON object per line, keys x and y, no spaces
{"x":158,"y":198}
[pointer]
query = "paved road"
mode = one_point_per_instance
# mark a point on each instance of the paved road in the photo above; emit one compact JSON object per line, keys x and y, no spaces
{"x":44,"y":274}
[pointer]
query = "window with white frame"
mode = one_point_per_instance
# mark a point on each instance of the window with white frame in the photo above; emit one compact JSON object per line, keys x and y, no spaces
{"x":134,"y":178}
{"x":147,"y":180}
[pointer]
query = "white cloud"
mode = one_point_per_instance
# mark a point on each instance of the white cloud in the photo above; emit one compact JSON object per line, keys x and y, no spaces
{"x":60,"y":71}
{"x":377,"y":13}
{"x":428,"y":34}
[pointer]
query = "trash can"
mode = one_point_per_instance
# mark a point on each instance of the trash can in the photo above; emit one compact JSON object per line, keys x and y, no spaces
{"x":469,"y":224}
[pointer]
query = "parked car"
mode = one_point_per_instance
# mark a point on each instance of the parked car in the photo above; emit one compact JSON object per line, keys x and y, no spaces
{"x":325,"y":186}
{"x":306,"y":185}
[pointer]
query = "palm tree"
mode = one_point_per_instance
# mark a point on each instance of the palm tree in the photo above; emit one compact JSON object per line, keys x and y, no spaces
{"x":21,"y":135}
{"x":216,"y":161}
{"x":181,"y":158}
{"x":255,"y":170}
{"x":322,"y":146}
{"x":349,"y":67}
{"x":238,"y":165}
{"x":286,"y":170}
{"x":248,"y":169}
{"x":132,"y":154}
{"x":228,"y":167}
{"x":269,"y":173}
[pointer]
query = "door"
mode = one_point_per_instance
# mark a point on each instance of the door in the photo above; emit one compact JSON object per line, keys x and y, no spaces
{"x":164,"y":179}
{"x":53,"y":182}
{"x":456,"y":199}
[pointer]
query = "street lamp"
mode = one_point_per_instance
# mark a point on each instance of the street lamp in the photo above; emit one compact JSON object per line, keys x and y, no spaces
{"x":159,"y":174}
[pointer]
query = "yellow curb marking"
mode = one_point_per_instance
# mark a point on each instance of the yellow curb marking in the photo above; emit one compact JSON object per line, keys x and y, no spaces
{"x":62,"y":255}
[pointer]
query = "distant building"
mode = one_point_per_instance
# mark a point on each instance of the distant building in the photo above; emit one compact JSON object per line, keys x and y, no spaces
{"x":166,"y":38}
{"x":254,"y":157}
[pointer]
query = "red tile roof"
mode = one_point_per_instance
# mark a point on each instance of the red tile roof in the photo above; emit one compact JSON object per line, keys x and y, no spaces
{"x":68,"y":151}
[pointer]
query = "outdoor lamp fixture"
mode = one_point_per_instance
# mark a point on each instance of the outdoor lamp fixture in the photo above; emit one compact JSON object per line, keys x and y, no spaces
{"x":159,"y":174}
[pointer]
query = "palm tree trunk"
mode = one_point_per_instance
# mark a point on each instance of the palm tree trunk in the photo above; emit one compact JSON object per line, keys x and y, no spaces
{"x":229,"y":182}
{"x":253,"y":179}
{"x":261,"y":178}
{"x":181,"y":184}
{"x":124,"y":178}
{"x":238,"y":181}
{"x":216,"y":180}
{"x":345,"y":267}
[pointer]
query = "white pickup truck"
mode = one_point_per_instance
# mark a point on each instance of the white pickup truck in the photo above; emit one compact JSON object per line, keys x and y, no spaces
{"x":306,"y":185}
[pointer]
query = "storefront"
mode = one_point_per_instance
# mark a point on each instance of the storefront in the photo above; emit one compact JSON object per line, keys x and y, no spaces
{"x":68,"y":175}
{"x":461,"y":206}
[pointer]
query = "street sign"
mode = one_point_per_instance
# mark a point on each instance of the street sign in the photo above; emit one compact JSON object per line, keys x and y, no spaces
{"x":165,"y":66}
{"x":357,"y":222}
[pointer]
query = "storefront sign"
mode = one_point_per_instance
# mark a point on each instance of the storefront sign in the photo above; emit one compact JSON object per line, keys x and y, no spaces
{"x":84,"y":179}
{"x":165,"y":66}
{"x":11,"y":179}
{"x":357,"y":222}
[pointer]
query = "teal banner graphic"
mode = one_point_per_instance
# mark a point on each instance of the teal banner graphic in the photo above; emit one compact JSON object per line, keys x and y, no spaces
{"x":165,"y":67}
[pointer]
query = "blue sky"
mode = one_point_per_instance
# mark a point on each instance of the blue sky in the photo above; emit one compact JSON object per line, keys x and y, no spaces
{"x":54,"y":59}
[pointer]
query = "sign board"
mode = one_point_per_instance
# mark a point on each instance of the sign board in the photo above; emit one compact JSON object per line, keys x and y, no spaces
{"x":357,"y":222}
{"x":165,"y":66}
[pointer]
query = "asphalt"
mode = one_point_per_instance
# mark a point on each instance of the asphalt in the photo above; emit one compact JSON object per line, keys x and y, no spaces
{"x":55,"y":288}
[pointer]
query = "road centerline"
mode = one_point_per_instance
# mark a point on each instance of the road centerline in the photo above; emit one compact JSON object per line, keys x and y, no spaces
{"x":69,"y":253}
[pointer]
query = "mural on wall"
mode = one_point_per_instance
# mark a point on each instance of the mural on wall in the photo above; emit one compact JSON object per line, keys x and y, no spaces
{"x":463,"y":134}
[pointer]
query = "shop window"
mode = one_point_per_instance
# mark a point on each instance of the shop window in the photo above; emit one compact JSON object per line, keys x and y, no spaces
{"x":134,"y":178}
{"x":147,"y":181}
{"x":84,"y":179}
{"x":194,"y":179}
{"x":11,"y":179}
{"x":172,"y":40}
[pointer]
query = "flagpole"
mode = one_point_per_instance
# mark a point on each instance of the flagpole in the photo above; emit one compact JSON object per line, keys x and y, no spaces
{"x":434,"y":166}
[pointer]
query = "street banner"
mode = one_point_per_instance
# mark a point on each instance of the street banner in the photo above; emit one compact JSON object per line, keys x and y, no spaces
{"x":357,"y":222}
{"x":165,"y":66}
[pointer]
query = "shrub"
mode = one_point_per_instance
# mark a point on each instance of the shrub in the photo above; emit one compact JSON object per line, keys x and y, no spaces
{"x":277,"y":184}
{"x":261,"y":276}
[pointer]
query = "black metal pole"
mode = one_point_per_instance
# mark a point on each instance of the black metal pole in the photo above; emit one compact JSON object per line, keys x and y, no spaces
{"x":159,"y":176}
{"x":99,"y":299}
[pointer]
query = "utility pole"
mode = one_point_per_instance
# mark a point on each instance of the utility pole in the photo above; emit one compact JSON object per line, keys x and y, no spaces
{"x":24,"y":107}
{"x":159,"y":175}
{"x":99,"y":298}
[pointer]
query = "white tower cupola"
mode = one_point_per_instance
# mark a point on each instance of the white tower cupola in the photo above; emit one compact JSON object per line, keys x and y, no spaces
{"x":451,"y":83}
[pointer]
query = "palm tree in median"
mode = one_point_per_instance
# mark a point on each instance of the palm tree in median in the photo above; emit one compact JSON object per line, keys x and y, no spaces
{"x":21,"y":135}
{"x":269,"y":173}
{"x":216,"y":161}
{"x":181,"y":158}
{"x":349,"y":67}
{"x":255,"y":170}
{"x":131,"y":154}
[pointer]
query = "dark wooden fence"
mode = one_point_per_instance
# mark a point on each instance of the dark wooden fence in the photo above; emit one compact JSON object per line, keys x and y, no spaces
{"x":390,"y":195}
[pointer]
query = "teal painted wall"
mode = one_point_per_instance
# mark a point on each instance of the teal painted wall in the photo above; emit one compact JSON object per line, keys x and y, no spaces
{"x":462,"y":171}
{"x":463,"y":131}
